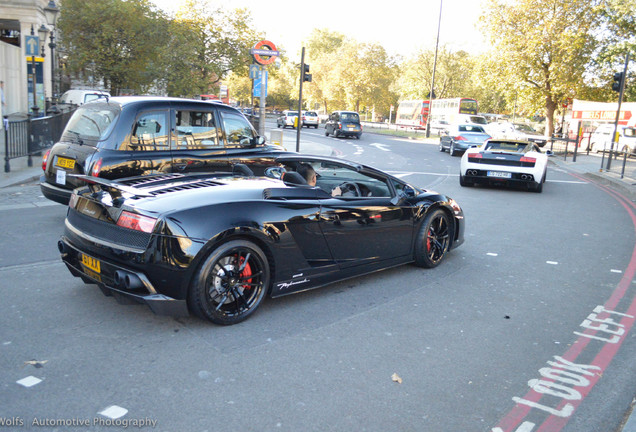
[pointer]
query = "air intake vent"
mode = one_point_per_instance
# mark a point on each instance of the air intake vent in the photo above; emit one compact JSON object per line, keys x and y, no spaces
{"x":185,"y":186}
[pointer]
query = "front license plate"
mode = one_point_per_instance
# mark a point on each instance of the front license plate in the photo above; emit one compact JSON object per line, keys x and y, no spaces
{"x":91,"y":263}
{"x":499,"y":174}
{"x":65,"y":163}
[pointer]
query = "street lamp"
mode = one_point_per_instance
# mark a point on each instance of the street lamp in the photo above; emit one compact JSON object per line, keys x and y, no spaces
{"x":51,"y":12}
{"x":42,"y":32}
{"x":34,"y":108}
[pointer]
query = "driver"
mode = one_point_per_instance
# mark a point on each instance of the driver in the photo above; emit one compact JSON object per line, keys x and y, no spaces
{"x":308,"y":172}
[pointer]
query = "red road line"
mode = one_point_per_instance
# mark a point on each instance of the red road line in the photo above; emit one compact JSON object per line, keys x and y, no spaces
{"x":603,"y":359}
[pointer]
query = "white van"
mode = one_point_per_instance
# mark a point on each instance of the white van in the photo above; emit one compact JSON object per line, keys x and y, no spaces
{"x":602,"y":138}
{"x":81,"y":96}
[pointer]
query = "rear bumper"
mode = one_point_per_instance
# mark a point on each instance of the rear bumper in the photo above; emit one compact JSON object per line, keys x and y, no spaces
{"x":473,"y":175}
{"x":55,"y":193}
{"x":145,"y":293}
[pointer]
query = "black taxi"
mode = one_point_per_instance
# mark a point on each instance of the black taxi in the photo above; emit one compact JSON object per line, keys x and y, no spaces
{"x":135,"y":135}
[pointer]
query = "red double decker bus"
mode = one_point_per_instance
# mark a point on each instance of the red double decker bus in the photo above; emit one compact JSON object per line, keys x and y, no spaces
{"x":413,"y":113}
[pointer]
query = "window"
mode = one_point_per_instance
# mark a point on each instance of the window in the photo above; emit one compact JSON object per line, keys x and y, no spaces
{"x":92,"y":122}
{"x":334,"y":175}
{"x":196,"y":130}
{"x":150,"y":132}
{"x":238,"y":132}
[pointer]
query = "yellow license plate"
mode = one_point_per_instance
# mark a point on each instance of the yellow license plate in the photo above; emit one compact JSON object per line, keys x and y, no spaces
{"x":65,"y":163}
{"x":91,"y":263}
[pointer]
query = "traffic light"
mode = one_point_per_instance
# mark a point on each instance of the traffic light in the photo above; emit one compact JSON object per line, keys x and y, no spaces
{"x":618,"y":81}
{"x":306,"y":74}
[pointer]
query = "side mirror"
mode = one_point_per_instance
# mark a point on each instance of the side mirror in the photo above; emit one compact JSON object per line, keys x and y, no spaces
{"x":258,"y":140}
{"x":409,"y":191}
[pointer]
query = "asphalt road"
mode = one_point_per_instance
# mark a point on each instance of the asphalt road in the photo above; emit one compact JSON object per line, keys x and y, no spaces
{"x":525,"y":327}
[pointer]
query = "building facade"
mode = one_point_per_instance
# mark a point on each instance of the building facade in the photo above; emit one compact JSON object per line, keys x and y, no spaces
{"x":20,"y":21}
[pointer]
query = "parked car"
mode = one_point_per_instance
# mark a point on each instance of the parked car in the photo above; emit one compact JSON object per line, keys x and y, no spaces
{"x":82,"y":96}
{"x":129,"y":136}
{"x":310,"y":119}
{"x":506,"y":163}
{"x":459,"y":138}
{"x":288,"y":118}
{"x":601,"y":138}
{"x":217,"y":245}
{"x":344,"y":123}
{"x":515,"y":131}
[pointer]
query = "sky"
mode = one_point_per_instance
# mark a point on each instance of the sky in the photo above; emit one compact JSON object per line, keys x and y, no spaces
{"x":401,"y":26}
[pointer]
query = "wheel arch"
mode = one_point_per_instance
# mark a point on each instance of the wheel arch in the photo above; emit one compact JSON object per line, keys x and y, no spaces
{"x":237,"y":233}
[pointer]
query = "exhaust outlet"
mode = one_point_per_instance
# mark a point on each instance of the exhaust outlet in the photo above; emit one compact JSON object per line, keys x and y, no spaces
{"x":61,"y":246}
{"x":132,"y":281}
{"x":119,"y":278}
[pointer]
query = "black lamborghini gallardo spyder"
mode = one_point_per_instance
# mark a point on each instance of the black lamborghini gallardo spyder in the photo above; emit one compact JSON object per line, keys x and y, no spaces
{"x":216,"y":244}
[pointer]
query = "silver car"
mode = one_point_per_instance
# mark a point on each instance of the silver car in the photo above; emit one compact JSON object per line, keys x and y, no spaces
{"x":459,"y":138}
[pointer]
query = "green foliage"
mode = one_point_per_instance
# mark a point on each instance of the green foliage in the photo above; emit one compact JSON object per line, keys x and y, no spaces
{"x":98,"y":41}
{"x":544,"y":48}
{"x":133,"y":46}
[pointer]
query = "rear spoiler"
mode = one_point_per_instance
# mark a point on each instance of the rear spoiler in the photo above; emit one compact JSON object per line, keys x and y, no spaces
{"x":111,"y":186}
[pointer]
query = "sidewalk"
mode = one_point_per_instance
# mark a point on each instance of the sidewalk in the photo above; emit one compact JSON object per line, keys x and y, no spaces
{"x":19,"y":172}
{"x":589,"y":166}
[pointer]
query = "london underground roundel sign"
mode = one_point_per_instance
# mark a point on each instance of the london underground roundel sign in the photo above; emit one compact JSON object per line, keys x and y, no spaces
{"x":264,"y":52}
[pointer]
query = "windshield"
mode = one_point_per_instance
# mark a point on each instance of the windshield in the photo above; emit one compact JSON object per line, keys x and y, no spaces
{"x":523,"y":128}
{"x":471,"y":128}
{"x":94,"y":121}
{"x":352,"y":117}
{"x":505,"y":146}
{"x":292,"y":113}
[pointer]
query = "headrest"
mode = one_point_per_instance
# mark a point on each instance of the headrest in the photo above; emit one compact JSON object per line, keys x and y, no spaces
{"x":242,"y":170}
{"x":293,"y":178}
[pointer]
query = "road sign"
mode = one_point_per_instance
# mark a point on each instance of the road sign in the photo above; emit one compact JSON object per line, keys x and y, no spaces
{"x":264,"y":52}
{"x":257,"y":84}
{"x":255,"y":71}
{"x":32,"y":45}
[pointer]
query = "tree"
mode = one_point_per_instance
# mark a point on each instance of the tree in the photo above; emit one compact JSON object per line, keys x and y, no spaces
{"x":617,"y":37}
{"x":206,"y":45}
{"x":544,"y":47}
{"x":98,"y":42}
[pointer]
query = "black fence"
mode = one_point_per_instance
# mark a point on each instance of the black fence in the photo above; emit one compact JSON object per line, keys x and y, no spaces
{"x":29,"y":136}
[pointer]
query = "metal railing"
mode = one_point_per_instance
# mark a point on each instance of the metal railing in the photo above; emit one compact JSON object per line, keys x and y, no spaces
{"x":30,"y":136}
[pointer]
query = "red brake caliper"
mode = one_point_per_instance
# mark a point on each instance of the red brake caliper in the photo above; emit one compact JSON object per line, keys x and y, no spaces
{"x":247,"y":271}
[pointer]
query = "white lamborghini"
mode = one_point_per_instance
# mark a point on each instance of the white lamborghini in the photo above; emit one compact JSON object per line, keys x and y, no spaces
{"x":505,"y":162}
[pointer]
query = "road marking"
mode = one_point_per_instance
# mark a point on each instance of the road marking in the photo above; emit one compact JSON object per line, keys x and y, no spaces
{"x":113,"y":412}
{"x":525,"y":427}
{"x":552,"y":262}
{"x":492,"y":254}
{"x":29,"y":381}
{"x":616,"y":271}
{"x":381,"y":147}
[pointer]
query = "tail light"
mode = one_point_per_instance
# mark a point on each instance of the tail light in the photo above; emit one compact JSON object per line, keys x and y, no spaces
{"x":528,"y":159}
{"x":45,"y":159}
{"x":136,"y":222}
{"x":97,"y":168}
{"x":475,"y":155}
{"x":73,"y":201}
{"x":339,"y":125}
{"x":459,"y":138}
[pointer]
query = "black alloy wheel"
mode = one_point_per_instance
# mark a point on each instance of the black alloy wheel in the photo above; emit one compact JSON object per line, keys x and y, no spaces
{"x":230,"y":283}
{"x":433,"y":239}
